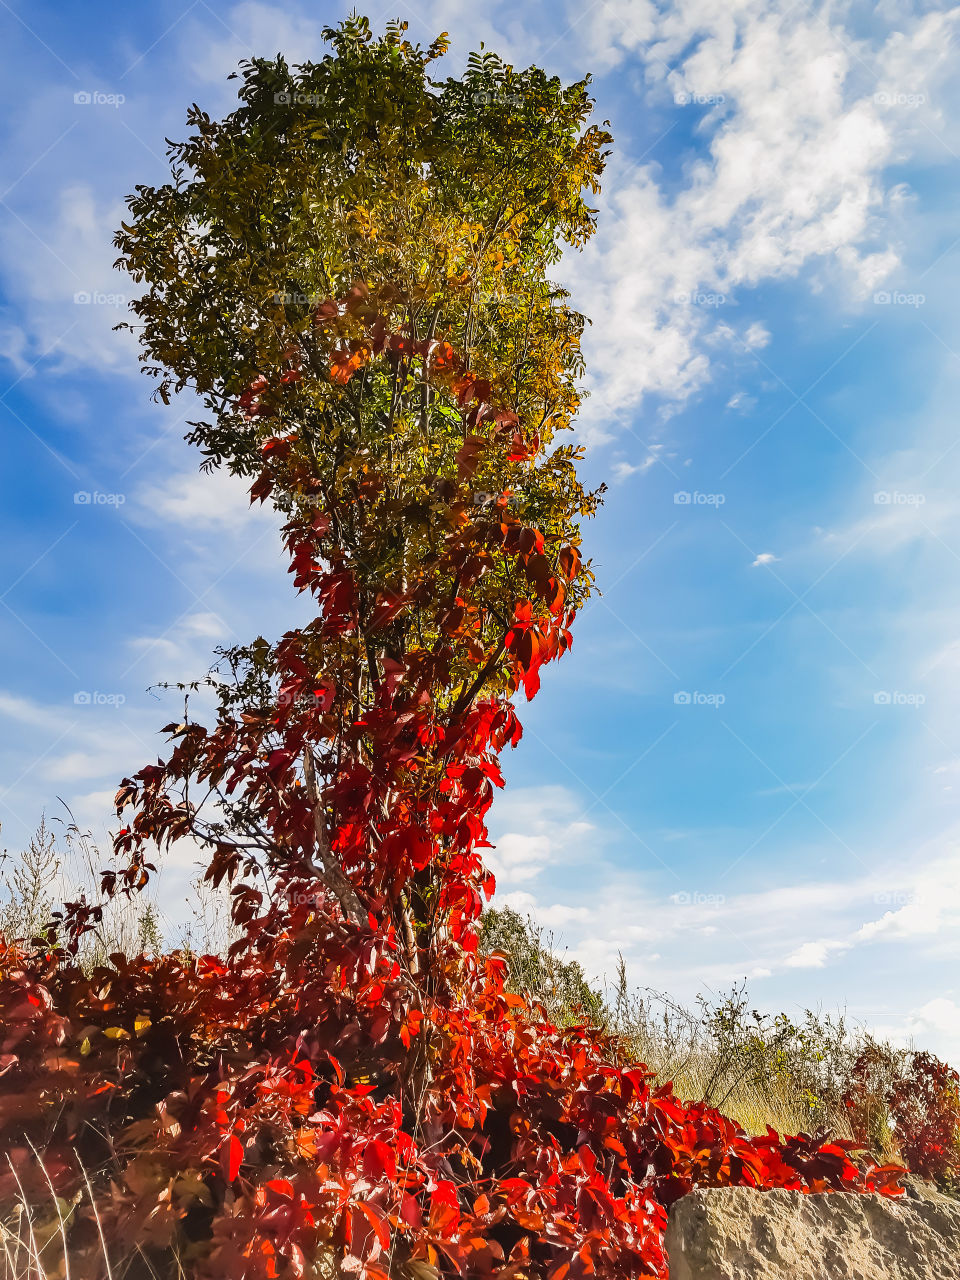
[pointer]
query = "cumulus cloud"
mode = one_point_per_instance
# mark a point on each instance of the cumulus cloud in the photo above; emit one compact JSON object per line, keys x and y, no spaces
{"x":536,"y":828}
{"x":941,"y":1015}
{"x":798,"y":138}
{"x":696,"y":936}
{"x":813,"y":955}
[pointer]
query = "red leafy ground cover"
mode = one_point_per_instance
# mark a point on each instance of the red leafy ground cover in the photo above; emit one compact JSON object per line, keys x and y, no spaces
{"x":248,"y":1114}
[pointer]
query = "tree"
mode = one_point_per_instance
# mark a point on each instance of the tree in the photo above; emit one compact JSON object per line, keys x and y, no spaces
{"x":352,"y":272}
{"x":560,"y":986}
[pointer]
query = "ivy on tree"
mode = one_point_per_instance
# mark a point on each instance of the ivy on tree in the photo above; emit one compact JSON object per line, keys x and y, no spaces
{"x":352,"y":271}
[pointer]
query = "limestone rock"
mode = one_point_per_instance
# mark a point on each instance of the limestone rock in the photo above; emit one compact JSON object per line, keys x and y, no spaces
{"x":734,"y":1233}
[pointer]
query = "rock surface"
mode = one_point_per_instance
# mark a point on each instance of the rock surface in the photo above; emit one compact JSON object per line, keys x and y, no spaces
{"x":738,"y":1234}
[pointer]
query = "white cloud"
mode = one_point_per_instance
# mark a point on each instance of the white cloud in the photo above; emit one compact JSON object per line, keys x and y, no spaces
{"x":186,"y":647}
{"x":519,"y":857}
{"x":910,"y":921}
{"x":765,"y":557}
{"x":742,"y":402}
{"x":203,"y":501}
{"x":691,"y":938}
{"x":794,"y":180}
{"x":623,"y":470}
{"x":533,"y":829}
{"x":58,"y":264}
{"x":555,"y":917}
{"x":897,"y":514}
{"x":813,"y":955}
{"x":756,"y":337}
{"x":941,"y":1015}
{"x":252,"y":29}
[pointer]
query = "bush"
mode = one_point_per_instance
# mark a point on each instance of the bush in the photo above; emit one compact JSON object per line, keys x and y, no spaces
{"x":914,"y":1098}
{"x":535,"y":971}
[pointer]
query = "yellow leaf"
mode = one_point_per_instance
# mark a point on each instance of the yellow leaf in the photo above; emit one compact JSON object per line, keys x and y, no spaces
{"x":117,"y":1033}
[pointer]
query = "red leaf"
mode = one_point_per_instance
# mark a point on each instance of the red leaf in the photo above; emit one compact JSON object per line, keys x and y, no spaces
{"x":231,"y":1155}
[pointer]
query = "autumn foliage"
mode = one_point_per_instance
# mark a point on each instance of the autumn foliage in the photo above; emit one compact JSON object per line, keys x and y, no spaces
{"x":921,"y":1096}
{"x":351,"y":1089}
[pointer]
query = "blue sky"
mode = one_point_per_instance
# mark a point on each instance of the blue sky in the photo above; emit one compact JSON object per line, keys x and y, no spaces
{"x":750,"y":764}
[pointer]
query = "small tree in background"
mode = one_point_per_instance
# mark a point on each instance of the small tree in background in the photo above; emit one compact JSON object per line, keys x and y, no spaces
{"x":352,"y":272}
{"x":28,"y":885}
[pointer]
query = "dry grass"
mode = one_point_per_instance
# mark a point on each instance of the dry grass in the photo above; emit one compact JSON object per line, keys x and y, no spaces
{"x":34,"y":1238}
{"x":760,"y":1070}
{"x":63,"y":863}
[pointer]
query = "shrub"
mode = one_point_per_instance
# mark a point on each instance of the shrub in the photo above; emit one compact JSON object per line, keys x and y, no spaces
{"x":925,"y":1107}
{"x":534,"y":970}
{"x":915,"y":1098}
